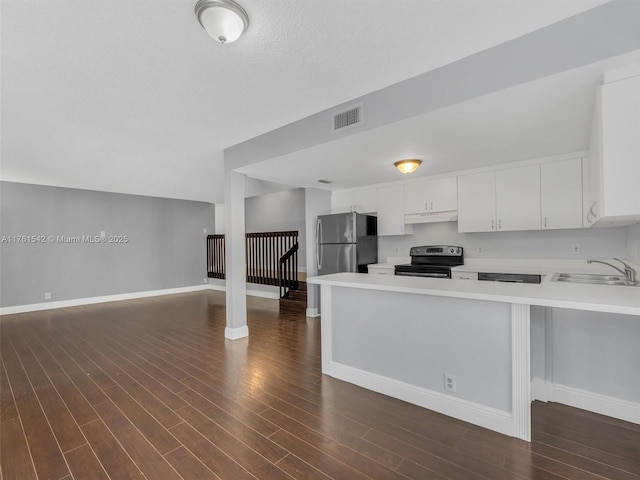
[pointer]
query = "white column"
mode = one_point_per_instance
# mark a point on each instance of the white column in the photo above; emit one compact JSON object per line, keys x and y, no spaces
{"x":521,"y":370}
{"x":235,"y":256}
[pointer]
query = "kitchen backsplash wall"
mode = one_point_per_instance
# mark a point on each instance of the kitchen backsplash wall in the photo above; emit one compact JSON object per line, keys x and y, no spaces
{"x":594,"y":243}
{"x":633,"y":243}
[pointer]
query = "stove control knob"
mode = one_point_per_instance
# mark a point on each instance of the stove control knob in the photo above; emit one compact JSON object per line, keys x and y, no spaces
{"x":452,"y":250}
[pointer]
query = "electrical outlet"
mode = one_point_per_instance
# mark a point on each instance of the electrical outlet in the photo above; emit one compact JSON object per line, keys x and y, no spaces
{"x":479,"y":251}
{"x":397,"y":250}
{"x":575,"y":249}
{"x":47,"y":295}
{"x":206,"y":280}
{"x":449,"y":383}
{"x":204,"y":230}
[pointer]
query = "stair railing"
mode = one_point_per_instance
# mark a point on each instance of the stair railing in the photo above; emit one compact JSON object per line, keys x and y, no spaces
{"x":288,"y":271}
{"x":215,"y":256}
{"x":264,"y":254}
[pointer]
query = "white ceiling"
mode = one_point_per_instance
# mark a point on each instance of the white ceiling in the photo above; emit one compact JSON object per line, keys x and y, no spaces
{"x":134,"y":97}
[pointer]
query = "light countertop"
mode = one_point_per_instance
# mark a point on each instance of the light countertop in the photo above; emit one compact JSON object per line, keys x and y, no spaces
{"x":599,"y":298}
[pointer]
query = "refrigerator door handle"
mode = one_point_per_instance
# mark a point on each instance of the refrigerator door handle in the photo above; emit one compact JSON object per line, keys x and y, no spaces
{"x":318,"y":240}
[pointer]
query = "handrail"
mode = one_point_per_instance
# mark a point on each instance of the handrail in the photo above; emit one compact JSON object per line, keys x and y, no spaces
{"x":288,"y":271}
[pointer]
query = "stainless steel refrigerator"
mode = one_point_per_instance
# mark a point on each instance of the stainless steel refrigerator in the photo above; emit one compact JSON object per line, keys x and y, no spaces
{"x":346,"y":242}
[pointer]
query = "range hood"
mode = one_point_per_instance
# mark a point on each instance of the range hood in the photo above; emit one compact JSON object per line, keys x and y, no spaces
{"x":431,"y":217}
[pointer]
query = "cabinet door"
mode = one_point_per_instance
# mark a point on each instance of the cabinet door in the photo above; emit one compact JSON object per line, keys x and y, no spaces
{"x":366,"y":201}
{"x":341,"y":202}
{"x":391,"y":211}
{"x":443,"y":194}
{"x":431,"y":196}
{"x":477,"y":202}
{"x":561,"y":194}
{"x":621,"y":148}
{"x":518,"y":198}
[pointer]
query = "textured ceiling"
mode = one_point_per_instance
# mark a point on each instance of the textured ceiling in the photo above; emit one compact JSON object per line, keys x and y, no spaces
{"x":134,"y":97}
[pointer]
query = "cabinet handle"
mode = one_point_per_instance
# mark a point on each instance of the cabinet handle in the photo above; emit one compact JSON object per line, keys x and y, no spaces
{"x":492,"y":227}
{"x":432,"y":206}
{"x":401,"y":228}
{"x":545,"y":221}
{"x":500,"y":224}
{"x":426,"y":206}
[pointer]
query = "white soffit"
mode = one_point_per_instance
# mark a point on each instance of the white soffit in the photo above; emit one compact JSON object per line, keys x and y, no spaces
{"x":543,"y":118}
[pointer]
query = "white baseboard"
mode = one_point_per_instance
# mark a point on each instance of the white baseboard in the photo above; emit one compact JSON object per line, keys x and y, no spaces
{"x":465,"y":410}
{"x":312,"y":312}
{"x":236,"y":333}
{"x":262,"y":294}
{"x":35,"y":307}
{"x":275,"y":294}
{"x":585,"y":400}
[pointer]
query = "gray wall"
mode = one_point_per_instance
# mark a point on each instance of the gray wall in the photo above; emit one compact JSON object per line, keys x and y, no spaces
{"x":279,"y":211}
{"x":595,"y":242}
{"x":166,"y":247}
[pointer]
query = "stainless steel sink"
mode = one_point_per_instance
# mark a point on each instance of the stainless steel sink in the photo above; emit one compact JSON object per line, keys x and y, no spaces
{"x":590,"y":278}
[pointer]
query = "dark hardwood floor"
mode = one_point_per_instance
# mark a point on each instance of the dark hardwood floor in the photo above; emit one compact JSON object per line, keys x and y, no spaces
{"x":151,"y":389}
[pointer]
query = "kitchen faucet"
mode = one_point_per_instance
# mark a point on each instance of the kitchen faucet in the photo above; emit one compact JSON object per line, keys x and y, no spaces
{"x":628,"y":272}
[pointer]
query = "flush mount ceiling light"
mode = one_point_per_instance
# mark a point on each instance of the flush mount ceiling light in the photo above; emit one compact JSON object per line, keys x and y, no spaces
{"x":408,"y":166}
{"x":224,"y":20}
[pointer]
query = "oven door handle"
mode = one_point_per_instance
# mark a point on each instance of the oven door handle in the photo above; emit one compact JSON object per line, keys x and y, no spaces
{"x":418,"y":274}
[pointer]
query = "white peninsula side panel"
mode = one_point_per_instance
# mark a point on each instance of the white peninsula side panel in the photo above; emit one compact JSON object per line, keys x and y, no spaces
{"x":402,"y":345}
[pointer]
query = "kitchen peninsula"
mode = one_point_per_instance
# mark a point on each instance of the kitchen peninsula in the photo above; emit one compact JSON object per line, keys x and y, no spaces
{"x":401,"y":336}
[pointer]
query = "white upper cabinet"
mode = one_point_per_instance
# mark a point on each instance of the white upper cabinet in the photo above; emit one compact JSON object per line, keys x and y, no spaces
{"x":361,"y":201}
{"x":341,"y":202}
{"x":477,"y":202}
{"x":612,"y":192}
{"x":518,"y":198}
{"x":391,"y":211}
{"x":561,"y":194}
{"x":503,"y":200}
{"x":366,"y":201}
{"x":431,"y":196}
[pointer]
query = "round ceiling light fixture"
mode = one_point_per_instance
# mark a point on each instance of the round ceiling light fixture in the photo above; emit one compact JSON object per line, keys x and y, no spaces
{"x":224,"y":20}
{"x":408,"y":166}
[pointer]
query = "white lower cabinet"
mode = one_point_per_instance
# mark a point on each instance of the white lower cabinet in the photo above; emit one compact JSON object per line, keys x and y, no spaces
{"x":464,"y":275}
{"x":380,"y":269}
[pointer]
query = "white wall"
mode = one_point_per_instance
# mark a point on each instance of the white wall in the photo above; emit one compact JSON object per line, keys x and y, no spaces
{"x":595,"y":242}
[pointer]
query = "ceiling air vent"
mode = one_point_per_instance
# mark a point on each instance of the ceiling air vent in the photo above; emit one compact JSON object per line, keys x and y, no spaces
{"x":347,"y":118}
